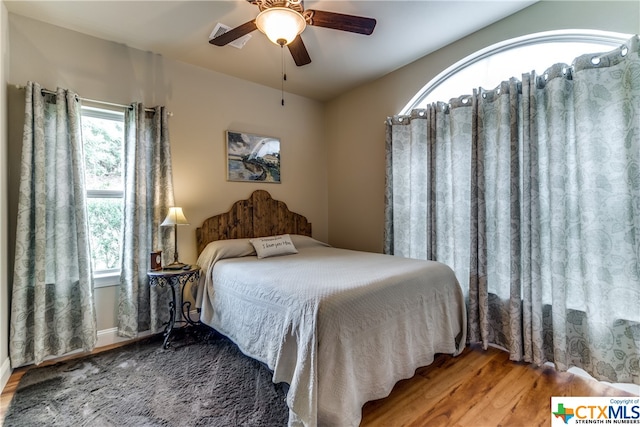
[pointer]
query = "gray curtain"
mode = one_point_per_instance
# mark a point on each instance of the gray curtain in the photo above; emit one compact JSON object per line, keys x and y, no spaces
{"x":531,"y":193}
{"x":52,"y":308}
{"x":148,"y":195}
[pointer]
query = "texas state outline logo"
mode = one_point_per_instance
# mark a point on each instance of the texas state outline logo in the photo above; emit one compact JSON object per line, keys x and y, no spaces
{"x":595,"y":410}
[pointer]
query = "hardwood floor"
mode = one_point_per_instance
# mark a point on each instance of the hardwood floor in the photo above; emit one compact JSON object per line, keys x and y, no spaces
{"x":478,"y":388}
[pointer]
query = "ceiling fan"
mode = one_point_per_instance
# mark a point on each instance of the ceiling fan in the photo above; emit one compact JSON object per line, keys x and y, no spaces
{"x":283,"y":21}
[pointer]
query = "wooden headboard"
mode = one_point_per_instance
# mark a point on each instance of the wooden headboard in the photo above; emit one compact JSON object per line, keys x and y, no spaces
{"x":258,"y":216}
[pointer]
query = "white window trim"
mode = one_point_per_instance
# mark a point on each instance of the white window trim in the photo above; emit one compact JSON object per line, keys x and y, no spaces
{"x":106,"y":278}
{"x":605,"y":37}
{"x":102,"y":112}
{"x":105,"y":194}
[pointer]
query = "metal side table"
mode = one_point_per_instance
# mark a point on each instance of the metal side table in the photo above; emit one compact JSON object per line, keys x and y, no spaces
{"x":176,"y":279}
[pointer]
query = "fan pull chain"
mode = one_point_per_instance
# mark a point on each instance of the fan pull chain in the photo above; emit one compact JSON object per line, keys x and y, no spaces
{"x":284,"y":74}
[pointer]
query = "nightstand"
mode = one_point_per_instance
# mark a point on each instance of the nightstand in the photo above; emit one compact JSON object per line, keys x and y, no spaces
{"x":176,"y":279}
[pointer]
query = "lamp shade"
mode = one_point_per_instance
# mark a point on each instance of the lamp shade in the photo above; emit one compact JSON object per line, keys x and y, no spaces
{"x":280,"y":24}
{"x":175,"y":217}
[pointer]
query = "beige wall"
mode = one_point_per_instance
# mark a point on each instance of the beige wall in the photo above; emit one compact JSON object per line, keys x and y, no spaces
{"x":4,"y":274}
{"x":355,"y":130}
{"x":204,"y":105}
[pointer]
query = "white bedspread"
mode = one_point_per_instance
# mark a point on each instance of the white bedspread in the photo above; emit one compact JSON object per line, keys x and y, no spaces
{"x":340,"y":327}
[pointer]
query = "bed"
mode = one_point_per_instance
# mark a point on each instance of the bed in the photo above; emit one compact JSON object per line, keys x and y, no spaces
{"x":341,"y":327}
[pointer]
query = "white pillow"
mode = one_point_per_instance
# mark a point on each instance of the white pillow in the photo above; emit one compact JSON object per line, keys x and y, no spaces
{"x":273,"y":246}
{"x":221,"y":249}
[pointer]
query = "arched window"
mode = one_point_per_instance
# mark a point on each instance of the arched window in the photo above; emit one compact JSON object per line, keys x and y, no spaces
{"x":488,"y":67}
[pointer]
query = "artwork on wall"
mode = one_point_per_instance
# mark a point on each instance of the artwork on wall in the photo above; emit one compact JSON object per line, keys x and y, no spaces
{"x":252,"y":158}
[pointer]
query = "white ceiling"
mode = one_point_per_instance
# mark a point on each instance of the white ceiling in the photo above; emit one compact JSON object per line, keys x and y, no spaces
{"x":179,"y":30}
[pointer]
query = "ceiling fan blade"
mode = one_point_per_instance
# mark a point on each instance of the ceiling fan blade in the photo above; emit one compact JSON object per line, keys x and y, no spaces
{"x":299,"y":52}
{"x":339,"y":21}
{"x":234,"y":33}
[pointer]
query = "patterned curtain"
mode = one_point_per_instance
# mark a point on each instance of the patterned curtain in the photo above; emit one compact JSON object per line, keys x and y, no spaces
{"x":148,"y":196}
{"x":52,"y":309}
{"x":531,"y":193}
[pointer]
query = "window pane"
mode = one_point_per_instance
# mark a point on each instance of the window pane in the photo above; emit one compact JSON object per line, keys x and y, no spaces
{"x":488,"y":67}
{"x":490,"y":71}
{"x":103,"y":153}
{"x":105,"y":224}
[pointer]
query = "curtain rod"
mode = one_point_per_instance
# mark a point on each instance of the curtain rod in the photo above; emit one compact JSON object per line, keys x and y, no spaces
{"x":111,"y":104}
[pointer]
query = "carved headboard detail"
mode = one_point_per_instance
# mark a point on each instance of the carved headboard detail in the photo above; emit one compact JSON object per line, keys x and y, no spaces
{"x":257,"y":216}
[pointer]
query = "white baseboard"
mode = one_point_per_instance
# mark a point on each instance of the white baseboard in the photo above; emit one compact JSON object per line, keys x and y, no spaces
{"x":5,"y":373}
{"x":110,"y":336}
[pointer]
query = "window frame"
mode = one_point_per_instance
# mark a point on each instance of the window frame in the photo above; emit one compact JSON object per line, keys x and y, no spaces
{"x":106,"y":277}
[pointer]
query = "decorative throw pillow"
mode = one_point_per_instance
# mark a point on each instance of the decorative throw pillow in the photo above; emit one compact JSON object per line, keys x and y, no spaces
{"x":273,"y":246}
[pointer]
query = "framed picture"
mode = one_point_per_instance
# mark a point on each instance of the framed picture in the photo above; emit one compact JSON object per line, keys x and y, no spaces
{"x":156,"y":260}
{"x":252,"y":158}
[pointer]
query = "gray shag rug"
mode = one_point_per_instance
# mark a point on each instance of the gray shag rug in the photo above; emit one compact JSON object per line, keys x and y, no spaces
{"x":206,"y":383}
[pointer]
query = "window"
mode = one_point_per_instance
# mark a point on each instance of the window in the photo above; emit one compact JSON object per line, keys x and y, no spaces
{"x":488,"y":67}
{"x":103,"y":141}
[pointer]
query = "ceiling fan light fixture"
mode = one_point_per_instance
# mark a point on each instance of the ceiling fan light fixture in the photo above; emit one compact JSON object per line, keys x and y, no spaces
{"x":281,"y":24}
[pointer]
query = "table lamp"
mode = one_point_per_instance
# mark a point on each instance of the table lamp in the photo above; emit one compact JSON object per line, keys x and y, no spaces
{"x":175,"y":217}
